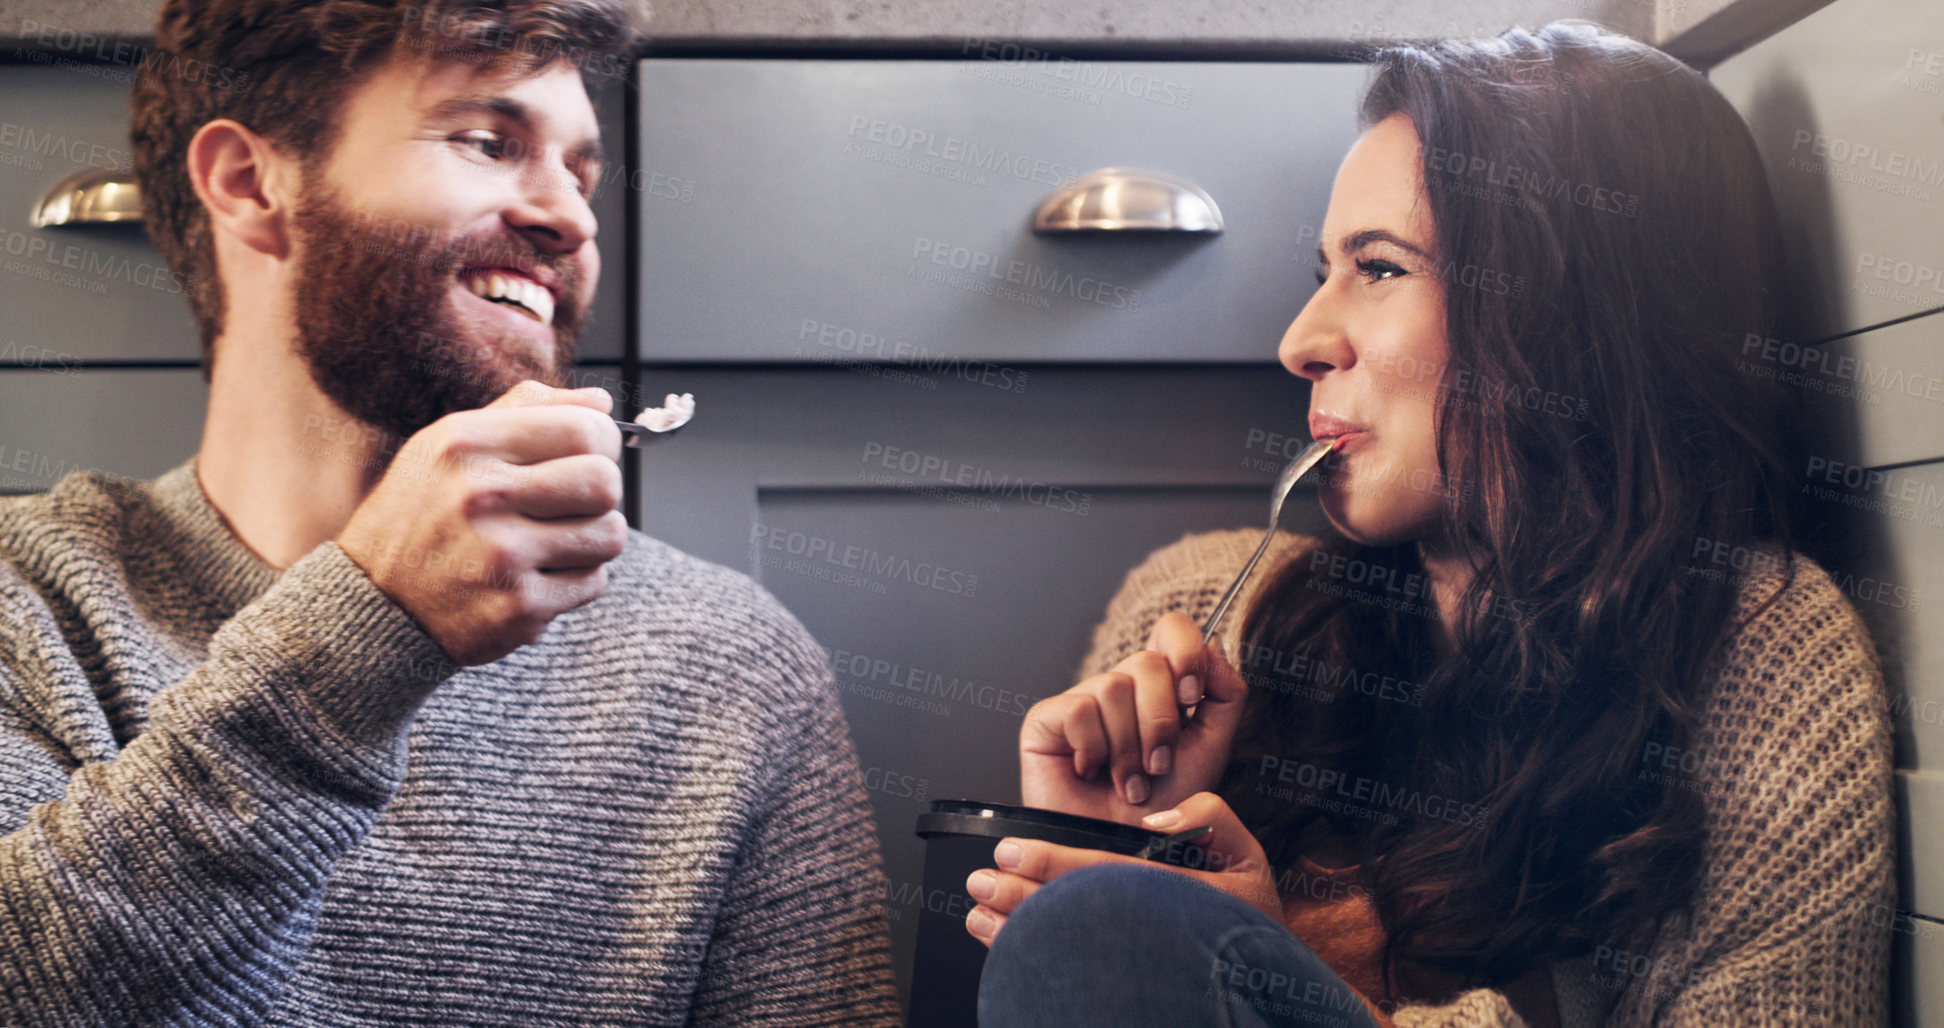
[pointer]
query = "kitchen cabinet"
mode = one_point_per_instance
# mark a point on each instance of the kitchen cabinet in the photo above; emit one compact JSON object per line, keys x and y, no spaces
{"x":881,"y":210}
{"x":100,"y":293}
{"x":940,"y":438}
{"x":131,"y":422}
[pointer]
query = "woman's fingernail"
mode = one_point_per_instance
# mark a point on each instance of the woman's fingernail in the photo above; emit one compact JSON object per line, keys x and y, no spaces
{"x":1189,"y":690}
{"x":1007,"y":854}
{"x":1161,"y":761}
{"x":1164,"y":819}
{"x":1136,"y":789}
{"x":980,"y":923}
{"x":982,"y":885}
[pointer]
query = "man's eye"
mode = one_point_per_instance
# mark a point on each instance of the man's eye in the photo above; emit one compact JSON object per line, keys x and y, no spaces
{"x":1378,"y":270}
{"x":489,"y":144}
{"x":589,"y":175}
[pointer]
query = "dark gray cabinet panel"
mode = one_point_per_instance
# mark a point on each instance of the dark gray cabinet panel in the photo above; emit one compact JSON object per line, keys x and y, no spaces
{"x":953,"y":542}
{"x":73,"y":294}
{"x":605,"y":334}
{"x":133,"y":423}
{"x":941,"y":439}
{"x":800,"y":210}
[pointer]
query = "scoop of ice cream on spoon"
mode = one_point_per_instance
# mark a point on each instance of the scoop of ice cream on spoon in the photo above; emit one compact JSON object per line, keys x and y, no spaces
{"x":674,"y":412}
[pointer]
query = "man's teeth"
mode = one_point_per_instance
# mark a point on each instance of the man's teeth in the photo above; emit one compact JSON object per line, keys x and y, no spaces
{"x":527,"y":295}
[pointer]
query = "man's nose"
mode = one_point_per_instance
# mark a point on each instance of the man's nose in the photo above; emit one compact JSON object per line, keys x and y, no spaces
{"x":551,"y":212}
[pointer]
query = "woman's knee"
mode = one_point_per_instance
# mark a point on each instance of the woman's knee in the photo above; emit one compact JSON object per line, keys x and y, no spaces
{"x":1110,"y":911}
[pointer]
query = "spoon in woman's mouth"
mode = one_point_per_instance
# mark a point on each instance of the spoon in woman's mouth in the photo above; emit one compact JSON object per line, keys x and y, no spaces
{"x":1311,"y":456}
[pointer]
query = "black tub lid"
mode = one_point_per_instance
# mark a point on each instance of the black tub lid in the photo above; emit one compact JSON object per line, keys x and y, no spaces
{"x":974,"y":817}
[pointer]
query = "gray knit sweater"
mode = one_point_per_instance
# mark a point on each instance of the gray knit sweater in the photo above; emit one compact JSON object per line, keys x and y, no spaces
{"x":232,"y":795}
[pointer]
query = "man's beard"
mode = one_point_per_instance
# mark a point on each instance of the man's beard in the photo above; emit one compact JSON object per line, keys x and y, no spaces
{"x":375,"y":322}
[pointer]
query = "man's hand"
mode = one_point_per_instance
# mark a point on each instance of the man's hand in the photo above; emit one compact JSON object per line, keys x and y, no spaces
{"x":1133,"y":724}
{"x":1241,"y":868}
{"x":491,"y":522}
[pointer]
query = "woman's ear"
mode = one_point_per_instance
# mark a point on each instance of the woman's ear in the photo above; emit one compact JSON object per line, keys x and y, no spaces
{"x":245,"y":184}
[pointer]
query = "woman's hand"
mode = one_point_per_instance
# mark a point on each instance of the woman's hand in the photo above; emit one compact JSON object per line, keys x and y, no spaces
{"x":1238,"y":865}
{"x":1132,"y":723}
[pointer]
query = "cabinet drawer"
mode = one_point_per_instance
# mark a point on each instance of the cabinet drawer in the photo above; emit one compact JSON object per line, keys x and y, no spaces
{"x":70,"y":294}
{"x":881,"y":210}
{"x":133,"y":423}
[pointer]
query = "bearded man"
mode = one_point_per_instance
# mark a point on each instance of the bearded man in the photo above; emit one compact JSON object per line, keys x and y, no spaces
{"x":374,"y":711}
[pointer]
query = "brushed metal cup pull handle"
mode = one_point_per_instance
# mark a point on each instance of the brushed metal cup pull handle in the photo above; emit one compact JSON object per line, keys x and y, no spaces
{"x":1128,"y":200}
{"x":93,"y":197}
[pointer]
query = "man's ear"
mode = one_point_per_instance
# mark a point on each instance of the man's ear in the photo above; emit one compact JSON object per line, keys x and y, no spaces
{"x":245,"y":184}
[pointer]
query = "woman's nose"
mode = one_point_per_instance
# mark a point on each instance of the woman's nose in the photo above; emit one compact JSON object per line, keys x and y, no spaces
{"x":1316,"y":342}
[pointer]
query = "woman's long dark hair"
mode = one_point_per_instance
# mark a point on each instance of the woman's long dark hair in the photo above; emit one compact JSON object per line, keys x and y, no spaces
{"x":1609,"y":244}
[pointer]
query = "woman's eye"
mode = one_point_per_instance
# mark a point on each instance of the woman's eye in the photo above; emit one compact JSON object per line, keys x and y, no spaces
{"x":489,"y":144}
{"x":1378,"y":270}
{"x":1322,"y":274}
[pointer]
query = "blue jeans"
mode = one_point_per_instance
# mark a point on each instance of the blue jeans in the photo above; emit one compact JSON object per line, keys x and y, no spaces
{"x":1134,"y":946}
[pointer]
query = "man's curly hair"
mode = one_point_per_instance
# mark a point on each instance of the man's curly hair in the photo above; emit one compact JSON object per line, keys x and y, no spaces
{"x":285,"y":67}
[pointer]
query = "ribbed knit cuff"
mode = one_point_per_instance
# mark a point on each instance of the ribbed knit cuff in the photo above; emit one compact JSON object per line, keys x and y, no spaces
{"x":351,"y":665}
{"x":1478,"y":1008}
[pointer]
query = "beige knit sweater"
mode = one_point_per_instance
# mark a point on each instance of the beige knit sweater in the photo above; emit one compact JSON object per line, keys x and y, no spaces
{"x":1791,"y":926}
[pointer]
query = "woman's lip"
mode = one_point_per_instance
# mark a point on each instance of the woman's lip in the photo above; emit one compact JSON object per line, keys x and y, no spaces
{"x":1347,"y":440}
{"x":1323,"y":424}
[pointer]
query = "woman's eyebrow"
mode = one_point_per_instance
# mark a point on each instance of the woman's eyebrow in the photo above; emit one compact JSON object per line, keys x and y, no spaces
{"x":1364,"y":237}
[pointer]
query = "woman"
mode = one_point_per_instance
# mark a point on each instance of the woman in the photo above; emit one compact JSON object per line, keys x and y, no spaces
{"x":1515,"y":748}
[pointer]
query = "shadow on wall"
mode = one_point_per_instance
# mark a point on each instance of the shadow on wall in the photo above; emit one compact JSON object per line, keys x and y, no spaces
{"x":1837,"y":537}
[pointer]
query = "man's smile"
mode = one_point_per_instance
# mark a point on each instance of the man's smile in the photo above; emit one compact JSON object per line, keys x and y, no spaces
{"x":504,"y":286}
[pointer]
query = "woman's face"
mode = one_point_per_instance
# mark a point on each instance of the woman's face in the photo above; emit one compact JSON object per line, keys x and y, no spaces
{"x":1372,"y":342}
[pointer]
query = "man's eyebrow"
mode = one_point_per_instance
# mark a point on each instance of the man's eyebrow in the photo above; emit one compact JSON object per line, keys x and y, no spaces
{"x":514,"y":111}
{"x":1358,"y":240}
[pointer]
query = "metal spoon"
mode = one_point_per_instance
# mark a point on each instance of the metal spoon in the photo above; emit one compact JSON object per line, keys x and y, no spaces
{"x":633,"y":434}
{"x":1311,"y":456}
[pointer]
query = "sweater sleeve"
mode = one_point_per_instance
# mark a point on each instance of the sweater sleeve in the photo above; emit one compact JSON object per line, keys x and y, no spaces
{"x":1189,"y":576}
{"x":1793,"y":921}
{"x":802,"y":937}
{"x":179,"y":881}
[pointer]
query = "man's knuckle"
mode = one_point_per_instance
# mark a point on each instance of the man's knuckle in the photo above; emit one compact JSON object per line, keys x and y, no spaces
{"x":456,"y":435}
{"x":532,"y":599}
{"x":615,"y":526}
{"x":607,"y":483}
{"x":592,"y":428}
{"x":482,"y":497}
